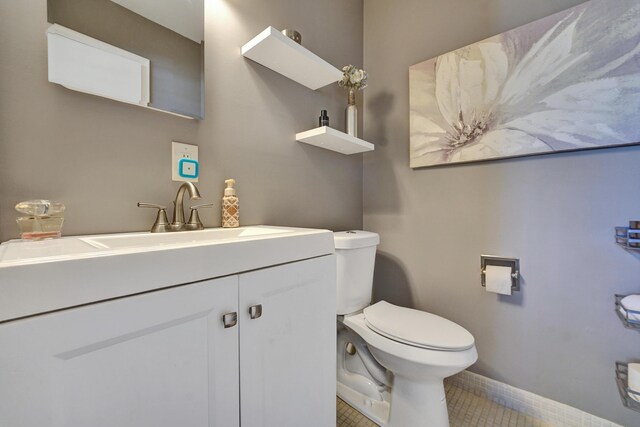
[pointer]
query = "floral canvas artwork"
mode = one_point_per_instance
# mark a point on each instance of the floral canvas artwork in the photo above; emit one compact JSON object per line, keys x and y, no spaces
{"x":570,"y":81}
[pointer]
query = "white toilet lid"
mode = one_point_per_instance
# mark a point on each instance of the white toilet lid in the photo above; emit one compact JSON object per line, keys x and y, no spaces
{"x":417,"y":328}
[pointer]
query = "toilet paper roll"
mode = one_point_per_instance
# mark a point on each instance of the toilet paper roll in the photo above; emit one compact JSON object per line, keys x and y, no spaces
{"x":633,"y":378}
{"x":498,"y":279}
{"x":631,"y":302}
{"x":629,"y":315}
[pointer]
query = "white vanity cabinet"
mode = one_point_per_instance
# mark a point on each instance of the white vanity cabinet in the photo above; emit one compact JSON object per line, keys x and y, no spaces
{"x":287,"y":354}
{"x":165,"y":358}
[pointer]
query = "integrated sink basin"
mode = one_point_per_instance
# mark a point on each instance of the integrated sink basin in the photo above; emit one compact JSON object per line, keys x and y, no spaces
{"x":48,"y":275}
{"x":212,"y":235}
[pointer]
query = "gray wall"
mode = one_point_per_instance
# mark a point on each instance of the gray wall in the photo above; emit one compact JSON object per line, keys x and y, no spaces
{"x":559,"y":337}
{"x":100,"y":157}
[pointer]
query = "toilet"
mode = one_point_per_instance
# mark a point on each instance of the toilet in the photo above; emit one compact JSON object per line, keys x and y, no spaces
{"x":391,"y":360}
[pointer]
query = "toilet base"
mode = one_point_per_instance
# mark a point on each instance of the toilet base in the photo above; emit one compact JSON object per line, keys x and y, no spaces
{"x":417,"y":396}
{"x":414,"y":404}
{"x":376,"y":410}
{"x":418,"y":404}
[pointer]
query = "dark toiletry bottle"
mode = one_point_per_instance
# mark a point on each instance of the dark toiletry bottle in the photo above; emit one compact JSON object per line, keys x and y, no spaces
{"x":324,"y":118}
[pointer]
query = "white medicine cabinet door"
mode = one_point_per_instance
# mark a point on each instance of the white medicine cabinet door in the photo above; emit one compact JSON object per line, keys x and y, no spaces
{"x":287,"y":345}
{"x":160,"y":359}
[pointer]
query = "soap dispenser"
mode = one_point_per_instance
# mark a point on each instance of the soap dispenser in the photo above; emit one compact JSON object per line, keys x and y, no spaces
{"x":230,"y":206}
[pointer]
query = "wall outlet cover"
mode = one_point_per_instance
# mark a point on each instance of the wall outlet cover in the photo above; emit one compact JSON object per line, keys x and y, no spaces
{"x":184,"y":162}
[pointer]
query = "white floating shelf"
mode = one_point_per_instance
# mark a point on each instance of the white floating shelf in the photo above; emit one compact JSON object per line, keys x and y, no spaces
{"x":278,"y":52}
{"x":332,"y":139}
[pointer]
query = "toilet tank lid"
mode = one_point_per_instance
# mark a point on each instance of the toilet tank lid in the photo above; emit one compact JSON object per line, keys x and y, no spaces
{"x":354,"y":239}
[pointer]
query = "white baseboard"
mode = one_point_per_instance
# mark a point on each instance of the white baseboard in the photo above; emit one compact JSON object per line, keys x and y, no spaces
{"x":547,"y":410}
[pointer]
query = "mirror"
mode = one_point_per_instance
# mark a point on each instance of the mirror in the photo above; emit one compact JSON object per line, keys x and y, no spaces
{"x":144,"y":52}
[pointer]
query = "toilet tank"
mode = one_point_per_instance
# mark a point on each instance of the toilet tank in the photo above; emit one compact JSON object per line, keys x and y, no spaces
{"x":355,"y":257}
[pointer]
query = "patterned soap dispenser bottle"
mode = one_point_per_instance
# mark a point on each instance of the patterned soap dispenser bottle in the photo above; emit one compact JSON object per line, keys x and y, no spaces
{"x":230,"y":206}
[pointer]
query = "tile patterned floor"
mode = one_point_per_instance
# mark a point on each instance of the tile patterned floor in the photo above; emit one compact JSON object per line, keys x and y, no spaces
{"x":465,"y":410}
{"x":349,"y":417}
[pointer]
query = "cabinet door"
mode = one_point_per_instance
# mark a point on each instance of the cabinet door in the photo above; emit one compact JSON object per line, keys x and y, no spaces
{"x":287,"y":354}
{"x":157,"y":359}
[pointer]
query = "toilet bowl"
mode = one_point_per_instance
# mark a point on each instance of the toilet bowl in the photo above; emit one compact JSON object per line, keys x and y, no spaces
{"x":392,"y":360}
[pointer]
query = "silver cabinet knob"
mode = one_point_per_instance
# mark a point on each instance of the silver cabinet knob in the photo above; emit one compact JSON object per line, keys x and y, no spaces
{"x":230,"y":320}
{"x":255,"y":311}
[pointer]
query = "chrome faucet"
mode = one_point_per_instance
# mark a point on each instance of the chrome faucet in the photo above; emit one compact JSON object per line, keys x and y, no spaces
{"x":178,"y":211}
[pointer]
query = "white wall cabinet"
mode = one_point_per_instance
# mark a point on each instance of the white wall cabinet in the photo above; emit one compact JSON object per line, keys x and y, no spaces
{"x":84,"y":64}
{"x":165,"y":358}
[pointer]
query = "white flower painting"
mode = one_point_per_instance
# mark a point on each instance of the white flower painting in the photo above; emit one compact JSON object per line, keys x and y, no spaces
{"x":570,"y":81}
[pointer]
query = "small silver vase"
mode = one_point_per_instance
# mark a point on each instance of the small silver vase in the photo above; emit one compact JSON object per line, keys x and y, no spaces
{"x":351,"y":114}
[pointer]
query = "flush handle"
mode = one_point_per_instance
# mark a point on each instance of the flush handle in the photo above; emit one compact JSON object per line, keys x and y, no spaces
{"x":255,"y":311}
{"x":230,"y":320}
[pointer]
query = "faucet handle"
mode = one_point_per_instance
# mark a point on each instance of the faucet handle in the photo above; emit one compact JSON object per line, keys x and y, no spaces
{"x":194,"y":222}
{"x":150,"y":205}
{"x":204,"y":205}
{"x":162,"y":222}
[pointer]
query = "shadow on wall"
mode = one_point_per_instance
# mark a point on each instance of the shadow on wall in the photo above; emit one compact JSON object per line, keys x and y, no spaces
{"x":390,"y":281}
{"x":380,"y":107}
{"x":381,"y":178}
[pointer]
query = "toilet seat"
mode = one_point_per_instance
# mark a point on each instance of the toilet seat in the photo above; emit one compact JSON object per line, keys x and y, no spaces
{"x":417,"y":328}
{"x":409,"y":353}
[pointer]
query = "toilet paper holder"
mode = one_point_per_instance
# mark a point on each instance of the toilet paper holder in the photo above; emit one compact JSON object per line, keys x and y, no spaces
{"x":514,"y":263}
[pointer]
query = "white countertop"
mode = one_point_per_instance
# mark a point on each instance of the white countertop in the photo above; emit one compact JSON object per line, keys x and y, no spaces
{"x":37,"y":277}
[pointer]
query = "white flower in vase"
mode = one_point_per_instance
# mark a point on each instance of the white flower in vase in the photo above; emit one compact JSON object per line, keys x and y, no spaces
{"x":353,"y":79}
